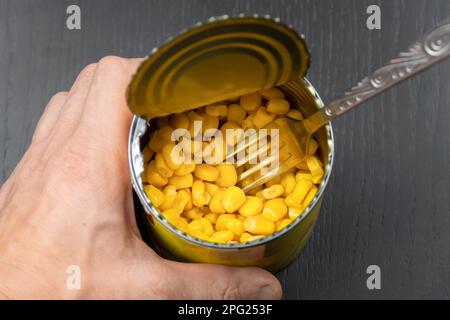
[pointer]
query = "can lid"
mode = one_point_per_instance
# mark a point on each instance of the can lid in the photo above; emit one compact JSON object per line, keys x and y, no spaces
{"x":214,"y":61}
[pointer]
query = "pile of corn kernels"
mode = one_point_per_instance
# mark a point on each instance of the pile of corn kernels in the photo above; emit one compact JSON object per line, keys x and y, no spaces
{"x":206,"y":201}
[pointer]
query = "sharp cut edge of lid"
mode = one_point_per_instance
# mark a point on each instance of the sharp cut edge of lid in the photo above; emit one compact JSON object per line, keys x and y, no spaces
{"x":214,"y":19}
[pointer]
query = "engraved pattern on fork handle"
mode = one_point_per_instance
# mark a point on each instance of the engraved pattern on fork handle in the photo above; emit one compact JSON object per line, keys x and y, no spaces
{"x":432,"y":48}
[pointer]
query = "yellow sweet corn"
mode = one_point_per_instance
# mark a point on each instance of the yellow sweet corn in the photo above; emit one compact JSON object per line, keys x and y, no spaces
{"x":251,"y":101}
{"x":294,"y":114}
{"x":251,"y":207}
{"x":236,"y":114}
{"x":154,"y":194}
{"x":273,"y":192}
{"x":262,"y":118}
{"x":153,"y":177}
{"x":215,"y":205}
{"x":274,"y":209}
{"x":206,"y":172}
{"x":259,"y":225}
{"x":179,"y":121}
{"x":271,"y":93}
{"x":217,"y":110}
{"x":233,"y":199}
{"x":278,"y":106}
{"x":181,"y":182}
{"x":161,"y":166}
{"x":316,"y":168}
{"x":227,"y":175}
{"x":222,"y":236}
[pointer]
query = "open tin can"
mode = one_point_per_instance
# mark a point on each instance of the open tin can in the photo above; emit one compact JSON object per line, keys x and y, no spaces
{"x":220,"y":59}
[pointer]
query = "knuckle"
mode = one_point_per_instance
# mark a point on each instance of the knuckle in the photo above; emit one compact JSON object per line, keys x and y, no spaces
{"x":59,"y":96}
{"x":231,"y":292}
{"x":109,"y":64}
{"x":87,"y":72}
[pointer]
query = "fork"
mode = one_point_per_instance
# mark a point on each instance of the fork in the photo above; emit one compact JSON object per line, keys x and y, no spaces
{"x":295,"y":136}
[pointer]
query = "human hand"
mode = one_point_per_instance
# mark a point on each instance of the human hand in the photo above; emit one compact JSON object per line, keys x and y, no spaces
{"x":69,"y":202}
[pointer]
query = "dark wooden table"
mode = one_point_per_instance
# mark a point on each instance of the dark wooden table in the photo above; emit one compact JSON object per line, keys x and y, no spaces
{"x":388,"y":200}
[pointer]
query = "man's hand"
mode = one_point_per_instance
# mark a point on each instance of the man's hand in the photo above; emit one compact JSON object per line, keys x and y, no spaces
{"x":69,"y":202}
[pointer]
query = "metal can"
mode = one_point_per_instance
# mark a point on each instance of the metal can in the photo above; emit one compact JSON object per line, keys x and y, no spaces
{"x":273,"y":252}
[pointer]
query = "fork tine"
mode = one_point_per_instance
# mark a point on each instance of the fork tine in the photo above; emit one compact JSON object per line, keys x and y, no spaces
{"x":256,"y":167}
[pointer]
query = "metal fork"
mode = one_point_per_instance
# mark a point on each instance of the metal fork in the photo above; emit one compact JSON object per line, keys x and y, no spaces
{"x":294,"y":135}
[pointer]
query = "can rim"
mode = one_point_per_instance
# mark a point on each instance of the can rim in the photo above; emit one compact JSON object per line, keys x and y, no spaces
{"x":135,"y":160}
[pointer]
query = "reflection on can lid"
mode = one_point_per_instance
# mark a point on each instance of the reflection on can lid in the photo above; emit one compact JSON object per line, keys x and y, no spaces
{"x":218,"y":60}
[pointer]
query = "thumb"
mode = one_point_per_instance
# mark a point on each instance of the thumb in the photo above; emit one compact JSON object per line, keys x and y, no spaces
{"x":211,"y":282}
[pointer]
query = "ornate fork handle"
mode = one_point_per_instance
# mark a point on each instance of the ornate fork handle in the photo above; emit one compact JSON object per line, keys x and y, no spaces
{"x":429,"y":50}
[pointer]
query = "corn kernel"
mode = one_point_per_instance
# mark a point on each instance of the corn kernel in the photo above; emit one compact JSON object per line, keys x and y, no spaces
{"x":262,"y":118}
{"x":181,"y":182}
{"x":295,"y":212}
{"x":301,"y":189}
{"x":260,"y":195}
{"x":215,"y":205}
{"x":251,"y":207}
{"x":184,"y":169}
{"x":201,"y":225}
{"x":173,"y":218}
{"x":295,"y":114}
{"x":288,"y":182}
{"x":259,"y":225}
{"x":274,"y":209}
{"x":313,"y":146}
{"x":170,"y":193}
{"x":217,"y":110}
{"x":273,"y":192}
{"x":310,"y":196}
{"x":153,"y":177}
{"x":189,"y":204}
{"x":154,"y":194}
{"x":247,"y":123}
{"x":211,"y":188}
{"x":227,"y":175}
{"x":194,"y":213}
{"x":232,"y":137}
{"x":278,"y":106}
{"x":236,"y":114}
{"x":247,"y":237}
{"x":271,"y":93}
{"x":199,"y":196}
{"x":206,"y":172}
{"x":222,"y":236}
{"x":212,"y":217}
{"x":179,"y":121}
{"x":251,"y":101}
{"x":234,"y":225}
{"x":303,"y":175}
{"x":160,"y":138}
{"x":221,"y":223}
{"x":233,"y":198}
{"x":210,"y":122}
{"x":283,"y":224}
{"x":161,"y":166}
{"x":315,"y":166}
{"x":194,"y":129}
{"x":181,"y":200}
{"x":171,"y":158}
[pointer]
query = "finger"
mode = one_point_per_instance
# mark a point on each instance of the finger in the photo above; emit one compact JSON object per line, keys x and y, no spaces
{"x":106,"y":111}
{"x":48,"y":119}
{"x":206,"y":281}
{"x":70,"y":114}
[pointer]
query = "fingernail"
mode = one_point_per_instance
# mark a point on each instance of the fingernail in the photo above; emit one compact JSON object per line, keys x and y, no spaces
{"x":266,"y":293}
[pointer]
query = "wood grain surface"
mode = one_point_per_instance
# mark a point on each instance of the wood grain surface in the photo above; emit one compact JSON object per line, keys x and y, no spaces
{"x":388,"y":199}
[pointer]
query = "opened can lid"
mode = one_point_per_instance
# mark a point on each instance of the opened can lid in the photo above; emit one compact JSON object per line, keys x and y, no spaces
{"x":215,"y":61}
